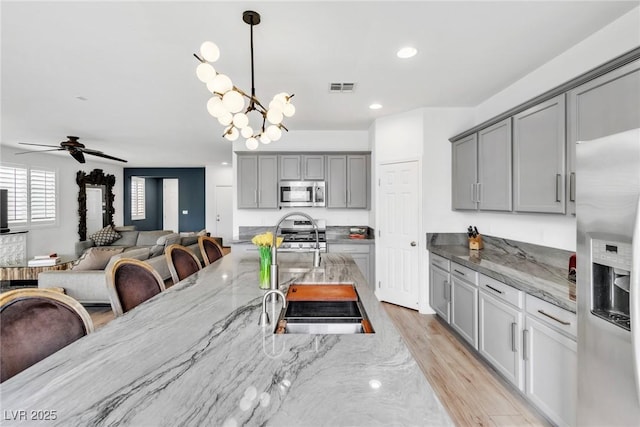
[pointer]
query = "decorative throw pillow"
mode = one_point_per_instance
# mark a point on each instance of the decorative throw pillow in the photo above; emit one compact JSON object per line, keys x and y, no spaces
{"x":95,"y":258}
{"x":106,"y":236}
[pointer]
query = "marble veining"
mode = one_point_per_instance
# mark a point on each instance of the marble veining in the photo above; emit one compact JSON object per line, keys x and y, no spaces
{"x":194,"y":355}
{"x":537,"y":270}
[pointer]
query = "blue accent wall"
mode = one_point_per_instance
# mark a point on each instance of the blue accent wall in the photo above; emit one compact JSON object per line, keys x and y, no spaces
{"x":191,"y":197}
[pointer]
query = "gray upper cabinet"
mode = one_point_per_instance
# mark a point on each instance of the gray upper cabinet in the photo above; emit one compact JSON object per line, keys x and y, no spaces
{"x":313,"y":167}
{"x":258,"y":181}
{"x":464,"y":173}
{"x":603,"y":106}
{"x":348,"y":181}
{"x":493,"y":190}
{"x":290,"y":167}
{"x":539,"y":157}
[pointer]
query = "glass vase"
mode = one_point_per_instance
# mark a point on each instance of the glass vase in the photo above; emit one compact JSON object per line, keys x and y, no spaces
{"x":265,"y":267}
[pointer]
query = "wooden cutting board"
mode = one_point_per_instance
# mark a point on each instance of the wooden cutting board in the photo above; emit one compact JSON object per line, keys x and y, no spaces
{"x":337,"y":292}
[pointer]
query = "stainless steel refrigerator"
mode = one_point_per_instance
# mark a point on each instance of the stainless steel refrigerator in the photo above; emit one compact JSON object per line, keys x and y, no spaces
{"x":608,"y":285}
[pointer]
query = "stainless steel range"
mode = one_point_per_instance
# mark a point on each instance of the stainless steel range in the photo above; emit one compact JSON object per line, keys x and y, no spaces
{"x":299,"y":235}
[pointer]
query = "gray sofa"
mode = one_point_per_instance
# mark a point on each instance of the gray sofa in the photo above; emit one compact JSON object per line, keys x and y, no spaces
{"x":90,"y":286}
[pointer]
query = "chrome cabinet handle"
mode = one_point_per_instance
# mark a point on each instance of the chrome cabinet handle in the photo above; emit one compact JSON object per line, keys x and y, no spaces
{"x":447,"y":291}
{"x":255,"y":196}
{"x":562,"y":322}
{"x":479,"y":192}
{"x":494,"y":289}
{"x":459,"y":272}
{"x":513,"y":337}
{"x":525,"y":346}
{"x":572,"y":187}
{"x":558,"y":180}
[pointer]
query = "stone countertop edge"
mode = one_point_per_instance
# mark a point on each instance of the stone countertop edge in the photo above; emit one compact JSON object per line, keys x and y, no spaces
{"x":194,"y":355}
{"x":544,"y":284}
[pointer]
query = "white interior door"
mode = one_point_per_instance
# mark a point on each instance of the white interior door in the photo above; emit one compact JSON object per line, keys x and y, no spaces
{"x":94,"y":209}
{"x":170,"y":207}
{"x":224,"y":212}
{"x":397,"y":247}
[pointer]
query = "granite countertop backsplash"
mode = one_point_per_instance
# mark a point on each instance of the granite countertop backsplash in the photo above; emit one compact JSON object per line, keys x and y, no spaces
{"x":539,"y":271}
{"x":334,"y":234}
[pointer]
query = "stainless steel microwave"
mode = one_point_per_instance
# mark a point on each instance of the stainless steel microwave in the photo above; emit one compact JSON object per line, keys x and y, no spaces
{"x":302,"y":193}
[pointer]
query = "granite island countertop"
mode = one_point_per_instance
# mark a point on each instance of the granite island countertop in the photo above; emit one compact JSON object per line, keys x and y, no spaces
{"x":195,"y":355}
{"x":536,"y":270}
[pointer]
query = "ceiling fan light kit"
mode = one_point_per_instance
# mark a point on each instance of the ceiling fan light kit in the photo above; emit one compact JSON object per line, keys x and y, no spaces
{"x":227,"y":103}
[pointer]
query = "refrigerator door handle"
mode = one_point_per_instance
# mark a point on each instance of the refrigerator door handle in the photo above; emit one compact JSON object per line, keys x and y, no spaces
{"x":634,"y":299}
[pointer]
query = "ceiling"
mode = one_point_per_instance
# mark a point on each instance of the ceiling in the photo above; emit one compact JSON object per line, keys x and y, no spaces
{"x":121,"y":75}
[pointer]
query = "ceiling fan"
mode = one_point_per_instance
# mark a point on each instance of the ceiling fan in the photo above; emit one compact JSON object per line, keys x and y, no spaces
{"x":75,"y":148}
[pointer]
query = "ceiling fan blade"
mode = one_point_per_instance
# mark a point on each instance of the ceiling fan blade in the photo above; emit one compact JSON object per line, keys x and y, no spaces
{"x":40,"y":151}
{"x":101,"y":154}
{"x":77,"y":155}
{"x":39,"y":145}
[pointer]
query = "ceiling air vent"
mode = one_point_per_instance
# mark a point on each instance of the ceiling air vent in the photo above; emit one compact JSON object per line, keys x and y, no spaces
{"x":341,"y":87}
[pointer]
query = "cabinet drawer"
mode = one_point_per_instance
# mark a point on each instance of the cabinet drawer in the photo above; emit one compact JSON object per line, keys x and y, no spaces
{"x":440,"y":261}
{"x":554,"y":316}
{"x":501,"y":291}
{"x":348,"y":248}
{"x":464,"y":273}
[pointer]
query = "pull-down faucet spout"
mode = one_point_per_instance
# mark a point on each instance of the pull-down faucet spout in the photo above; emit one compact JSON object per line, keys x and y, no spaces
{"x":274,"y":249}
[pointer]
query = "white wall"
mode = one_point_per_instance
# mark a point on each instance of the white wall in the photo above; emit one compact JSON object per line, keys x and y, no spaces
{"x":300,"y":141}
{"x":61,"y":238}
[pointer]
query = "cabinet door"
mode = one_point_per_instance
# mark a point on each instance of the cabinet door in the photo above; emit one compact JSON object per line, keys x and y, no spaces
{"x":494,"y":167}
{"x":313,"y":167}
{"x":499,"y":331}
{"x":539,"y":157}
{"x":551,"y":372}
{"x":439,"y":292}
{"x":290,"y":167}
{"x":357,"y":181}
{"x":606,"y":105}
{"x":464,"y":310}
{"x":336,"y":182}
{"x":247,"y":181}
{"x":268,"y":181}
{"x":464,"y":173}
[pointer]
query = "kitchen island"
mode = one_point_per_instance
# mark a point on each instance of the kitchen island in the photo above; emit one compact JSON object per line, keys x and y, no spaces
{"x":195,"y":355}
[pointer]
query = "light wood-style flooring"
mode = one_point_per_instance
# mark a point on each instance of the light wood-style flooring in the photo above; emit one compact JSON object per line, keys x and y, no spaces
{"x":470,"y":391}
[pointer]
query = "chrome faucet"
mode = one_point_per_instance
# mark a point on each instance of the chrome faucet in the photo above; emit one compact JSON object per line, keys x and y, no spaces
{"x":264,"y":316}
{"x":274,"y":247}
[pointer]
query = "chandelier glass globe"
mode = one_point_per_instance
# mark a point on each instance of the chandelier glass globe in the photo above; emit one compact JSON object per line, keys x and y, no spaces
{"x":252,"y":143}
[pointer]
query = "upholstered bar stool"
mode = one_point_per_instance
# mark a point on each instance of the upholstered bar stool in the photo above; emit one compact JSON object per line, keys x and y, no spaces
{"x":182,"y":262}
{"x":35,"y":323}
{"x":210,"y":249}
{"x":130,"y":283}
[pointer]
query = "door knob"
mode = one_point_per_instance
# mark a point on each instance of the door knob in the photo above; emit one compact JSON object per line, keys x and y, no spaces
{"x":413,"y":243}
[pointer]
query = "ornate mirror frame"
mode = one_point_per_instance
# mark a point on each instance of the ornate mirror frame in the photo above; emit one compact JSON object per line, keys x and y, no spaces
{"x":96,"y":177}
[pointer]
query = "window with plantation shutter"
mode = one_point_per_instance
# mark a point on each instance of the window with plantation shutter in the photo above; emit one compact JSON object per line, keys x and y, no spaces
{"x":43,"y":196}
{"x":14,"y":179}
{"x":137,"y":198}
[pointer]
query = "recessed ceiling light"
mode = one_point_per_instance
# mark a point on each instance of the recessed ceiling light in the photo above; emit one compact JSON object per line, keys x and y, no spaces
{"x":224,"y":163}
{"x":407,"y":52}
{"x":375,"y":106}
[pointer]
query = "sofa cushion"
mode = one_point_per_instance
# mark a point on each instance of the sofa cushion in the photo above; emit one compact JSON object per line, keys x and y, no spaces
{"x":149,"y":238}
{"x":106,"y":236}
{"x":128,"y":238}
{"x":120,"y":228}
{"x":141,"y":254}
{"x":95,"y":258}
{"x":163,"y":242}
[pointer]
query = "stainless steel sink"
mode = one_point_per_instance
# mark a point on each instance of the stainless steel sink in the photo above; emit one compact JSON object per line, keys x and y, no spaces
{"x":323,"y":317}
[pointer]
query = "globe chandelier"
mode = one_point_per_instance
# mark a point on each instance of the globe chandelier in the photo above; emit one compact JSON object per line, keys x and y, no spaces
{"x":228,"y":102}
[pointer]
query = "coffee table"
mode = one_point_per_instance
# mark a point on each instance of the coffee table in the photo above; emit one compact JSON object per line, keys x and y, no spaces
{"x":22,"y":276}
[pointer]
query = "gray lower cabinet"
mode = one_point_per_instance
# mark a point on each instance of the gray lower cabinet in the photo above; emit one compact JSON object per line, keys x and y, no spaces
{"x":464,"y":303}
{"x":440,"y":287}
{"x":493,"y":190}
{"x":348,"y":181}
{"x":603,"y":106}
{"x":539,"y":157}
{"x":550,"y":355}
{"x":499,"y":332}
{"x":258,"y":181}
{"x":363,"y":255}
{"x":464,"y":168}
